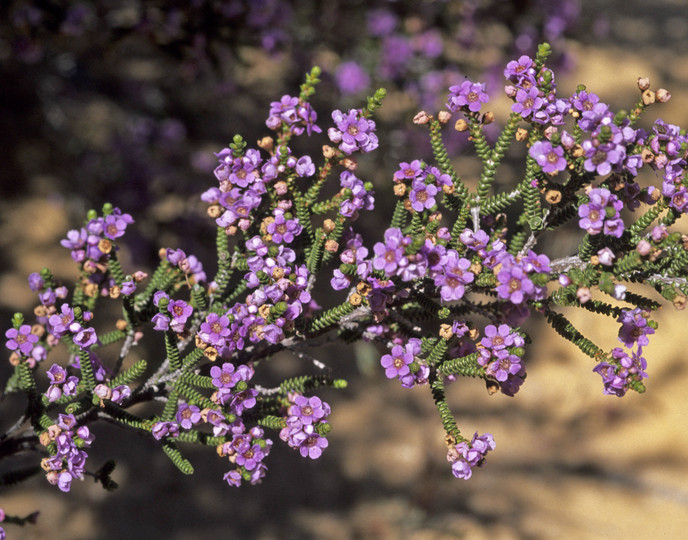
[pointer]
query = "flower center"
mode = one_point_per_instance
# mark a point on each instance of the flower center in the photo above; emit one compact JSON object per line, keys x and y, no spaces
{"x":598,"y":157}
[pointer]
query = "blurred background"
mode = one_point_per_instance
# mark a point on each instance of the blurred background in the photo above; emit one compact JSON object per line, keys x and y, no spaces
{"x":126,"y":101}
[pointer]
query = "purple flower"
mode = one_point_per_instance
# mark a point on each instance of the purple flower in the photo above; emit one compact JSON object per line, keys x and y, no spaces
{"x":180,"y":312}
{"x":223,"y":377}
{"x":215,"y":329}
{"x":188,"y":415}
{"x":57,"y":374}
{"x":422,"y":195}
{"x":600,"y":158}
{"x":304,"y":167}
{"x":634,"y":328}
{"x":514,"y":284}
{"x":160,"y":322}
{"x":504,"y":366}
{"x":305,"y":438}
{"x":309,"y":410}
{"x":85,"y":338}
{"x":467,"y":95}
{"x":21,"y":339}
{"x":397,"y":363}
{"x":115,"y":225}
{"x":517,"y":70}
{"x":390,"y":255}
{"x":408,"y":171}
{"x":551,"y":159}
{"x":283,"y":228}
{"x":497,"y":338}
{"x":527,"y":101}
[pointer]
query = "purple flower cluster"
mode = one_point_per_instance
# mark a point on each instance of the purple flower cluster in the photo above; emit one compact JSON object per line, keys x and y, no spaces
{"x":233,"y":391}
{"x":60,"y":383}
{"x":398,"y":256}
{"x":246,"y":450}
{"x":625,"y":368}
{"x":466,"y":455}
{"x":621,"y":371}
{"x":86,"y":244}
{"x":306,"y":425}
{"x":292,"y":114}
{"x":356,"y":195}
{"x":531,"y":101}
{"x":498,"y":355}
{"x":402,"y":363}
{"x":353,"y":132}
{"x":69,"y":460}
{"x":173,"y":314}
{"x":242,"y":181}
{"x":666,"y":142}
{"x":601,"y":213}
{"x":515,"y":273}
{"x":163,"y":429}
{"x":190,"y":265}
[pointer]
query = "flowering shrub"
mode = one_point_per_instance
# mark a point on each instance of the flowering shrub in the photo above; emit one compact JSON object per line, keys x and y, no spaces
{"x":445,"y":289}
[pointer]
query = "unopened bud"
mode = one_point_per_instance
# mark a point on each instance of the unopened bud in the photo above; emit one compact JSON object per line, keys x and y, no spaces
{"x":15,"y":359}
{"x":355,"y":299}
{"x":328,"y":151}
{"x":648,"y":97}
{"x":643,"y":248}
{"x":399,"y":190}
{"x":349,"y":164}
{"x":583,"y":294}
{"x":488,"y":118}
{"x":215,"y":211}
{"x":444,"y":117}
{"x":643,"y":83}
{"x":105,"y":245}
{"x":421,"y":118}
{"x":663,"y":95}
{"x":328,"y":226}
{"x":679,"y":302}
{"x":210,"y":353}
{"x":461,"y":125}
{"x":331,"y":246}
{"x":553,"y":196}
{"x":521,"y":135}
{"x":266,"y":143}
{"x":363,"y":288}
{"x":446,"y":331}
